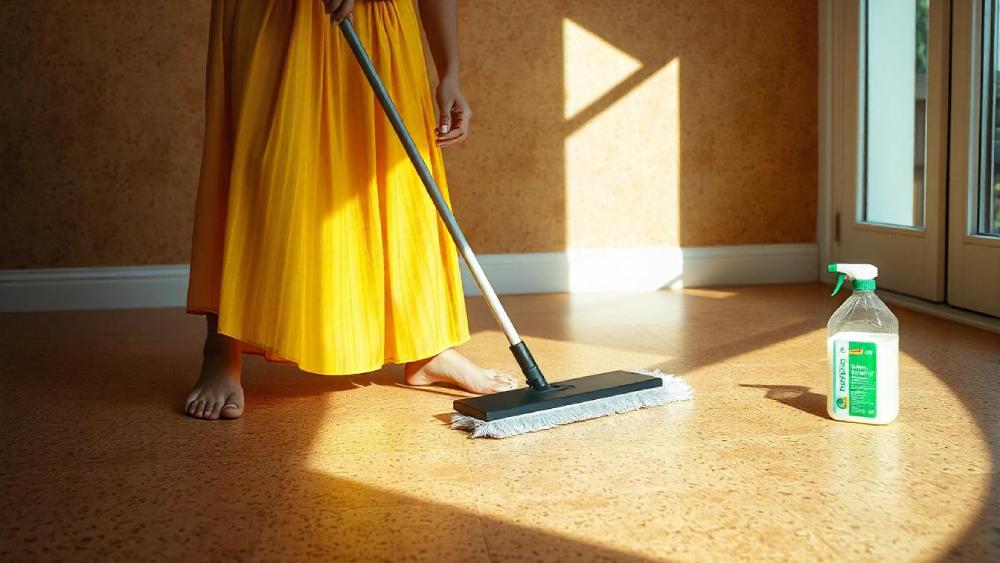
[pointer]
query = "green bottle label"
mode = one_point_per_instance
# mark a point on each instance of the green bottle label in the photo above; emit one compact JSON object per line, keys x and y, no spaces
{"x":854,"y":377}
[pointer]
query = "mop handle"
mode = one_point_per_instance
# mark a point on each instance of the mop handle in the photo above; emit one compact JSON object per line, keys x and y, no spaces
{"x":518,"y":347}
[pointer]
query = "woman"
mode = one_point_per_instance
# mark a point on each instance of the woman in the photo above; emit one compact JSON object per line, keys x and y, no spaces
{"x":314,"y":240}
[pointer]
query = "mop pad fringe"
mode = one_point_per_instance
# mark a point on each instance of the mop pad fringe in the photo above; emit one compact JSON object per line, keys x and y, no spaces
{"x":674,"y":388}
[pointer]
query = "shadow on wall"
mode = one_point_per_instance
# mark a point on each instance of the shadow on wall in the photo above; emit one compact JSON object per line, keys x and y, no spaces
{"x":101,"y":124}
{"x":598,"y":124}
{"x":611,"y":125}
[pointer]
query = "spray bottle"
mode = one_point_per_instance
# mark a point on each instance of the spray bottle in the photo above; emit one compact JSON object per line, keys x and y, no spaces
{"x":862,"y":352}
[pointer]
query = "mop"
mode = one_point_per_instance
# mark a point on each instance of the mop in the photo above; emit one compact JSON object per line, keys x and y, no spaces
{"x":541,"y":405}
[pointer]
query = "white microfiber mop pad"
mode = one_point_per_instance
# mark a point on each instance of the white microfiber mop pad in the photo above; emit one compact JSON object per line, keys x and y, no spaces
{"x":674,"y":389}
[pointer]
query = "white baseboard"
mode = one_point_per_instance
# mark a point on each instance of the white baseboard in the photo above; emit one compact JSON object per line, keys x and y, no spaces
{"x":642,"y":269}
{"x":942,"y":310}
{"x":124,"y":287}
{"x":576,"y":271}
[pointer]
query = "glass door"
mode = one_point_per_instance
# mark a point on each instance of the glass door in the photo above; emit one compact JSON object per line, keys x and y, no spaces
{"x":974,"y":198}
{"x":889,"y":193}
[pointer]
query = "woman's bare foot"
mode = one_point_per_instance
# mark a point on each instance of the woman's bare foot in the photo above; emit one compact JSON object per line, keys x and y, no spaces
{"x":454,"y":368}
{"x":218,"y":393}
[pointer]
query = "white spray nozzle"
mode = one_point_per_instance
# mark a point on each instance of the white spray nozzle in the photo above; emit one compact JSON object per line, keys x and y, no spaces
{"x":855,"y":272}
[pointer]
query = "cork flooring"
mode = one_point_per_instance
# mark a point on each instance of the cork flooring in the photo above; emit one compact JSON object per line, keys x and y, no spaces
{"x":99,"y":464}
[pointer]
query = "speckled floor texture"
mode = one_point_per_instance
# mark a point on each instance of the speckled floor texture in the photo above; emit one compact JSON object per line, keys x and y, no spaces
{"x":99,"y":464}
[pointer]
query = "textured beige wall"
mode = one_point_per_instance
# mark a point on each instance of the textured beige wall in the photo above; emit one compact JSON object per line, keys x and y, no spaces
{"x":597,"y":124}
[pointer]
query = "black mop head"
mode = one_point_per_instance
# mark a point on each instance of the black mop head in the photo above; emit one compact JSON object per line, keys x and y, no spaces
{"x":519,"y":411}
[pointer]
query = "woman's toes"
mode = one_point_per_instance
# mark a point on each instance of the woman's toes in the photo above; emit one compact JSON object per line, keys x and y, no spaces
{"x":231,"y":410}
{"x":503,"y":381}
{"x":503,"y":386}
{"x":196,"y":407}
{"x":213,"y":413}
{"x":496,"y":386}
{"x":510,"y":379}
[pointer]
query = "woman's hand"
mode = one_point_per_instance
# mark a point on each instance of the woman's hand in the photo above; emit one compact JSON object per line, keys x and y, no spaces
{"x":339,"y":9}
{"x":453,"y":125}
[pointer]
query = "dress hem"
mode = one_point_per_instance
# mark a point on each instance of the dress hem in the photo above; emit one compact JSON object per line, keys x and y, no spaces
{"x":270,"y":354}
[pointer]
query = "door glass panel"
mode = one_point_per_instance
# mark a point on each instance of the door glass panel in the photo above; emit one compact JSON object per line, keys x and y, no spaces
{"x":896,"y":35}
{"x":989,"y":196}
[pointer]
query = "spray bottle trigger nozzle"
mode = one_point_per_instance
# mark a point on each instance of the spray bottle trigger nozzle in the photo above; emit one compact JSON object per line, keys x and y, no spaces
{"x":840,"y":282}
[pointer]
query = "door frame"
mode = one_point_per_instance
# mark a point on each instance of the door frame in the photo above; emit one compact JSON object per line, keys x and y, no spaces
{"x":970,"y":256}
{"x":838,"y":162}
{"x":841,"y":155}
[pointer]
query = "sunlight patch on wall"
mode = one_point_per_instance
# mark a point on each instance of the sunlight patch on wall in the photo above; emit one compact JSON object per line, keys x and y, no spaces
{"x":593,"y":66}
{"x":623,"y":162}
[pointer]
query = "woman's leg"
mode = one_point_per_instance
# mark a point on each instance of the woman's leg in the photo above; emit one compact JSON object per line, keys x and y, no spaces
{"x":218,"y":393}
{"x":453,"y":368}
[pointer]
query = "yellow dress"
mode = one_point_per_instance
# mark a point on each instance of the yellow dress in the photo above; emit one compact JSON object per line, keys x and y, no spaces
{"x":314,"y":239}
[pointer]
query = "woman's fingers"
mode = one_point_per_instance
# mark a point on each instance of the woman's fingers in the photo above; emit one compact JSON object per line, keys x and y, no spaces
{"x":331,"y":5}
{"x":453,"y":125}
{"x":460,"y":136}
{"x":444,"y":124}
{"x":445,"y":140}
{"x":457,"y":134}
{"x":458,"y":119}
{"x":344,"y":10}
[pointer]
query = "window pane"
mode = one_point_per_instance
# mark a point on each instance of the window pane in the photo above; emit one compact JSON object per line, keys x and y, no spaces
{"x":895,"y":111}
{"x":989,"y":199}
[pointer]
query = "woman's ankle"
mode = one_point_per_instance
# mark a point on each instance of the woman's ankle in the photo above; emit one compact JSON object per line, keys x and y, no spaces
{"x":220,"y":345}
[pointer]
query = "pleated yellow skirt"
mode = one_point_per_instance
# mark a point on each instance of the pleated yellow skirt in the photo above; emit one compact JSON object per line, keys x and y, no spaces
{"x":314,"y":240}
